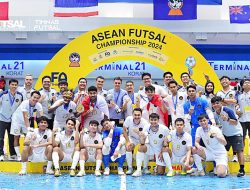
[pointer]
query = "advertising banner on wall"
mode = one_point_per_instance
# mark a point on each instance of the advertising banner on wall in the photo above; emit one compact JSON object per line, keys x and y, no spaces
{"x":125,"y":69}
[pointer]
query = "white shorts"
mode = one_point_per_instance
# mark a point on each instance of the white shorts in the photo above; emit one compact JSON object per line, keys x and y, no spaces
{"x":57,"y":125}
{"x":38,"y":156}
{"x":67,"y":157}
{"x":219,"y":159}
{"x":152,"y":152}
{"x":177,"y":159}
{"x":134,"y":140}
{"x":17,"y":129}
{"x":91,"y":158}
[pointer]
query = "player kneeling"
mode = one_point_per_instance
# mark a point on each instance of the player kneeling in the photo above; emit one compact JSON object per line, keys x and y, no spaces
{"x":91,"y":148}
{"x":38,"y":146}
{"x":66,"y":147}
{"x":215,"y":147}
{"x":157,"y":146}
{"x":181,"y":146}
{"x":114,"y":146}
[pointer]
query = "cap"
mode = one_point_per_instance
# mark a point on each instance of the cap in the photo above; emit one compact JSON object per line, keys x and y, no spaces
{"x":63,"y":82}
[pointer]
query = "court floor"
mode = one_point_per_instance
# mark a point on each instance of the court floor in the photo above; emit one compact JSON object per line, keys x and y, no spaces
{"x":10,"y":181}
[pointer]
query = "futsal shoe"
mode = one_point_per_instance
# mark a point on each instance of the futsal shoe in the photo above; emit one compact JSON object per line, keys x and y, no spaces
{"x":72,"y":173}
{"x":12,"y":158}
{"x":81,"y":173}
{"x":192,"y":170}
{"x":57,"y":173}
{"x":50,"y":172}
{"x":106,"y":171}
{"x":171,"y":173}
{"x":234,"y":158}
{"x":146,"y":171}
{"x":120,"y":171}
{"x":97,"y":173}
{"x":137,"y":173}
{"x":22,"y":172}
{"x":2,"y":158}
{"x":241,"y":173}
{"x":199,"y":173}
{"x":130,"y":171}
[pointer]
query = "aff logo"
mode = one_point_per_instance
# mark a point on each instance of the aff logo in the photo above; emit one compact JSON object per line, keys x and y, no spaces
{"x":56,"y":77}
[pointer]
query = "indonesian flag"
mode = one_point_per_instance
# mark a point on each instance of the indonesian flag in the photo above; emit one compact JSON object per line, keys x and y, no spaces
{"x":156,"y":102}
{"x":85,"y":103}
{"x":4,"y":10}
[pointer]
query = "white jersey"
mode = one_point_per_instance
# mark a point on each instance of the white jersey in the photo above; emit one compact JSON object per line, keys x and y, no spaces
{"x":67,"y":143}
{"x":244,"y":102}
{"x":151,"y":108}
{"x":47,"y":102}
{"x":130,"y":126}
{"x":181,"y":143}
{"x":26,"y":93}
{"x":131,"y":98}
{"x":212,"y":144}
{"x":25,"y":106}
{"x":231,"y":94}
{"x":175,"y":104}
{"x":156,"y":138}
{"x":100,"y":109}
{"x":38,"y":137}
{"x":63,"y":112}
{"x":92,"y":140}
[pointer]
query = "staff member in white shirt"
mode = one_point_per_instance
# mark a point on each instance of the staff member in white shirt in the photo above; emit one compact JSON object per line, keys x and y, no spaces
{"x":27,"y":88}
{"x":244,"y":102}
{"x":176,"y":101}
{"x":48,"y":97}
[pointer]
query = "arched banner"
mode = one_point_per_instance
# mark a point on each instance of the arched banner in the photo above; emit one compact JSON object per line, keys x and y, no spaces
{"x":127,"y":42}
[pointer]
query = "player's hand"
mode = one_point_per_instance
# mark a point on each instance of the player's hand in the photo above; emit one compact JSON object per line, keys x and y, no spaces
{"x":43,"y":97}
{"x":160,"y":157}
{"x":34,"y":146}
{"x":199,"y":148}
{"x":116,"y":153}
{"x":53,"y":99}
{"x":129,"y":146}
{"x":191,"y":110}
{"x":206,"y":76}
{"x":224,"y":117}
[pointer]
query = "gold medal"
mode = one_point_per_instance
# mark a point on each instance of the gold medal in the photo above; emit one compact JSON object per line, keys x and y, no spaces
{"x":133,"y":106}
{"x":155,"y":141}
{"x":80,"y":108}
{"x":91,"y":108}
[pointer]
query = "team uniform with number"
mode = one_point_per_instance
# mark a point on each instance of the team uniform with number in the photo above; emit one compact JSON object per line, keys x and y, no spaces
{"x":92,"y":140}
{"x":38,"y":154}
{"x":130,"y":126}
{"x":180,"y":144}
{"x":17,"y":125}
{"x":67,"y":145}
{"x":155,"y":141}
{"x":215,"y":151}
{"x":62,"y":113}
